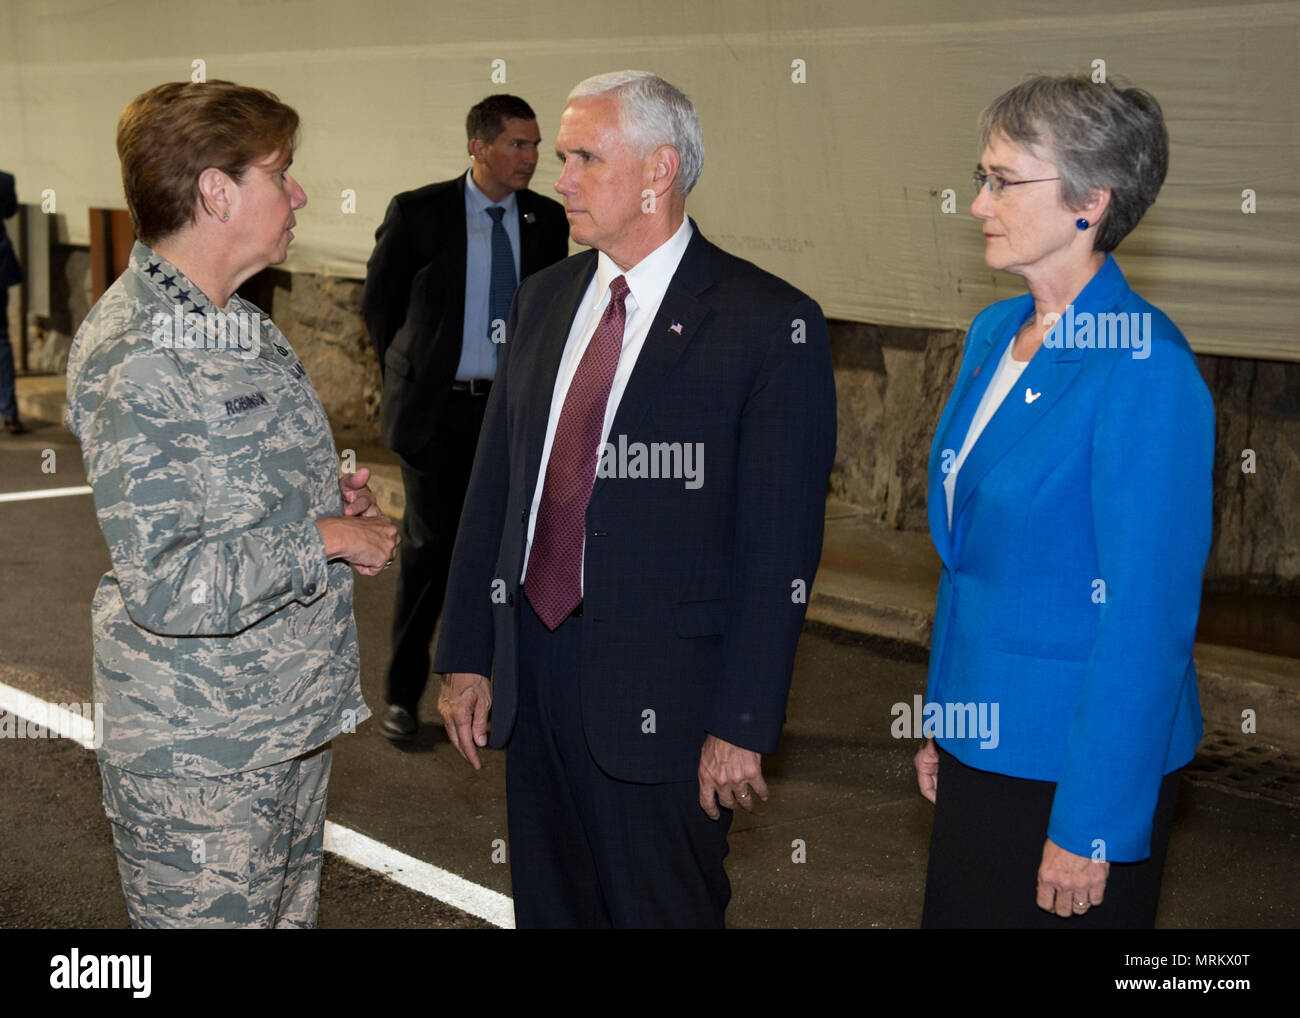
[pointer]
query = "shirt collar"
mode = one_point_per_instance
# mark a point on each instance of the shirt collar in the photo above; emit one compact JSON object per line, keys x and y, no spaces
{"x":477,"y":203}
{"x":648,"y":279}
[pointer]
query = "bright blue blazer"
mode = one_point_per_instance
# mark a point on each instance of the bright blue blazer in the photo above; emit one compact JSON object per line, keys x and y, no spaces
{"x":1072,"y":573}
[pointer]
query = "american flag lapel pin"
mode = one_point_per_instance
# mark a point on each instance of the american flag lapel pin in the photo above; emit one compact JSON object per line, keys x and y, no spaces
{"x":676,"y":327}
{"x":529,"y":217}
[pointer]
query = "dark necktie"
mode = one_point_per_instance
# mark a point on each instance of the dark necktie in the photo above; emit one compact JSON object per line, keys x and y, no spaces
{"x":554,"y":581}
{"x":501,"y":287}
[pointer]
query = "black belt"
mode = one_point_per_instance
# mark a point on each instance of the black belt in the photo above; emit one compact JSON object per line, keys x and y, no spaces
{"x":475,"y":386}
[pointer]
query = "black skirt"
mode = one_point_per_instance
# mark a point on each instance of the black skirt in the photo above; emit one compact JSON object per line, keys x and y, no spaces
{"x":987,"y":845}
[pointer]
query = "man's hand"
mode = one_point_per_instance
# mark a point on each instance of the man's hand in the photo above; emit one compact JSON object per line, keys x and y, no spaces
{"x":358,"y":499}
{"x":464,"y":702}
{"x":927,"y":769}
{"x":728,"y":772}
{"x":1069,"y":884}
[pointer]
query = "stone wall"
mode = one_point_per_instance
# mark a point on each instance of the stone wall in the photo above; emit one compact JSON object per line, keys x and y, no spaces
{"x":321,"y":316}
{"x":892,"y":383}
{"x":51,"y":336}
{"x":1256,"y":504}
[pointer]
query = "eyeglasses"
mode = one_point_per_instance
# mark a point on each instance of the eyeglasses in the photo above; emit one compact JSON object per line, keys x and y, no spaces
{"x":997,"y":184}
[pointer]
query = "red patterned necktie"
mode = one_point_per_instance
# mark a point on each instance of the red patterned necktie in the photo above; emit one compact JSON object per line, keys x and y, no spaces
{"x":553,"y":585}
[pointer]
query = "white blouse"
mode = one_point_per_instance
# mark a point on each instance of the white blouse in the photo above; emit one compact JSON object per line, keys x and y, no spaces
{"x":1004,"y":378}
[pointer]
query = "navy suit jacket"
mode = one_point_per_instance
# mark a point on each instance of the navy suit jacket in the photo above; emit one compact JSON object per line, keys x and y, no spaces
{"x":1071,"y":576}
{"x":11,"y":273}
{"x":414,"y":298}
{"x":694,"y":598}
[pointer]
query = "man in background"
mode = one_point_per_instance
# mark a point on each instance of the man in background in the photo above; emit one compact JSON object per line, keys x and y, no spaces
{"x":446,"y":263}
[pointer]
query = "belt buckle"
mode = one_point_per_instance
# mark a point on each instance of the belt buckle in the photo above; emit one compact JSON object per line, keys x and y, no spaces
{"x":479,"y":386}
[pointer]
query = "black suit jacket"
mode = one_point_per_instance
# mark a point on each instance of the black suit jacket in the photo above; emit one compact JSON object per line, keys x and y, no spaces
{"x":11,"y":273}
{"x":694,"y":597}
{"x":414,"y":297}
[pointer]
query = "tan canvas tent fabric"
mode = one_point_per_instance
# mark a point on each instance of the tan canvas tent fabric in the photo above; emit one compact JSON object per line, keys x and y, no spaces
{"x":835,"y":132}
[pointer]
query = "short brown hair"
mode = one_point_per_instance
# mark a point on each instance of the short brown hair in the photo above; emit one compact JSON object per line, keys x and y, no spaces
{"x":169,"y":135}
{"x":487,"y":118}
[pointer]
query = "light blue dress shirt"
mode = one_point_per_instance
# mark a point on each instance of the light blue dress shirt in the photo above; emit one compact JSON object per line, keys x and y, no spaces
{"x":478,"y":355}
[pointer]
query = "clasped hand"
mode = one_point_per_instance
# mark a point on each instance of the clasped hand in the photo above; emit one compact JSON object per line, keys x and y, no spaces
{"x":363,"y":536}
{"x":1068,"y":884}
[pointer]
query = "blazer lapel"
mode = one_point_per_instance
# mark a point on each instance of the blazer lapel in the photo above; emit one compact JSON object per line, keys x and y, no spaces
{"x":675,"y":325}
{"x":1040,"y":387}
{"x":453,"y":241}
{"x":950,"y":434}
{"x":553,"y":335}
{"x":529,"y":247}
{"x":1044,"y":382}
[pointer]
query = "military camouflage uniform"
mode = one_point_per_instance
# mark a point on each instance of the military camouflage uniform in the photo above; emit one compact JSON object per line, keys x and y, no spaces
{"x":224,"y":643}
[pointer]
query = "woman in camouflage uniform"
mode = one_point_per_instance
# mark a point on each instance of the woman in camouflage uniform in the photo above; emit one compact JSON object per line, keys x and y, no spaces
{"x":225,"y":647}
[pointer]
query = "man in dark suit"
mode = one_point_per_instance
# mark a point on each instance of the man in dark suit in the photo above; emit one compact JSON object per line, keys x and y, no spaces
{"x":642,"y":526}
{"x":11,"y":274}
{"x":438,"y":285}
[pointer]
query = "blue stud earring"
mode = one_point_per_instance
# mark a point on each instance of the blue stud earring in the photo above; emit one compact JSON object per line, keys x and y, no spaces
{"x":1082,"y":224}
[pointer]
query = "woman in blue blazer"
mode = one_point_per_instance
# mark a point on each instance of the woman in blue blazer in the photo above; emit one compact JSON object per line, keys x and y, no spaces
{"x":1070,"y":503}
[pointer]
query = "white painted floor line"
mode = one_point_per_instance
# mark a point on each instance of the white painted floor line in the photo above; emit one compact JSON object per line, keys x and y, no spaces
{"x":348,"y":844}
{"x":27,"y":496}
{"x":420,"y":876}
{"x":56,"y":717}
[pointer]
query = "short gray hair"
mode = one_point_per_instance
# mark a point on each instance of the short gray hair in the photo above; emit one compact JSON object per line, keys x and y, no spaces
{"x":1097,"y":135}
{"x":653,"y":113}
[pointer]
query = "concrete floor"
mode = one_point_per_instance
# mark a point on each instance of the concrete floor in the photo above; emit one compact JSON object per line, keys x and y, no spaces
{"x":840,"y":784}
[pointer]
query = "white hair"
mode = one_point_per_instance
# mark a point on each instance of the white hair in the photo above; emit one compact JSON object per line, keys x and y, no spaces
{"x":653,"y":113}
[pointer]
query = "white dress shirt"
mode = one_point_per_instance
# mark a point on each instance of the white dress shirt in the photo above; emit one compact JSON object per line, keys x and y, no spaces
{"x":647,"y":281}
{"x":1004,"y":379}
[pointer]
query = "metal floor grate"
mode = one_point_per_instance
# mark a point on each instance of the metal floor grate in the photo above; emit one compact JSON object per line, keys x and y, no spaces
{"x":1246,"y":765}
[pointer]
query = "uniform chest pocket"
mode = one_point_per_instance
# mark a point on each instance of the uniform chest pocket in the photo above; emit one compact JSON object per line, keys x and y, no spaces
{"x":260,"y":457}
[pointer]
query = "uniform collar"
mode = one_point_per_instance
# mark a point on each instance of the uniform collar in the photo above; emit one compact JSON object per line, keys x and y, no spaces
{"x":171,"y":283}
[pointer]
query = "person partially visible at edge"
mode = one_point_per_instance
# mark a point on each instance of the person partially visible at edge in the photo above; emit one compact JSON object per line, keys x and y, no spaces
{"x":1070,"y":503}
{"x":11,"y":274}
{"x":439,"y":284}
{"x":225,"y":650}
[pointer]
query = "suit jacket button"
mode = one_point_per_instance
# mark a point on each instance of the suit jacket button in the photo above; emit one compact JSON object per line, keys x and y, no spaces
{"x":510,"y":600}
{"x":523,"y":516}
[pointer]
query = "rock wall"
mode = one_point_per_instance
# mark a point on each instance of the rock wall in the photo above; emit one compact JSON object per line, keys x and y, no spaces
{"x":50,"y":337}
{"x":321,"y":316}
{"x":1256,"y":545}
{"x":891,"y":386}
